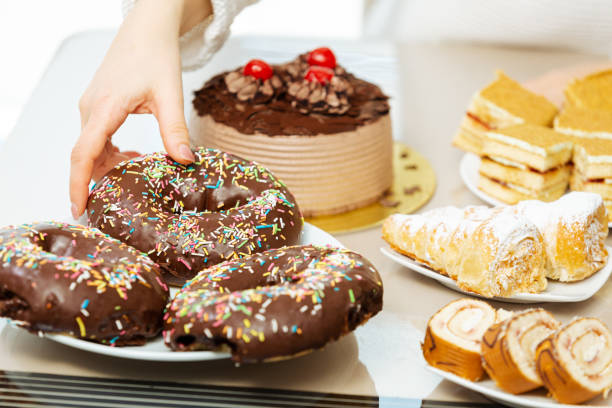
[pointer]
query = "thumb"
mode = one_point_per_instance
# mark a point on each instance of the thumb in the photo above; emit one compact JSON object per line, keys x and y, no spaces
{"x":172,"y":125}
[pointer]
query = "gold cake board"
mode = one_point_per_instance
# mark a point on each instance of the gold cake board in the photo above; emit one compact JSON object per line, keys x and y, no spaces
{"x":414,"y":183}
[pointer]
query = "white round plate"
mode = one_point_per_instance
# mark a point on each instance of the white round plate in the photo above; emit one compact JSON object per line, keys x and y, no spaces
{"x":533,"y":399}
{"x":155,"y":350}
{"x":468,"y":169}
{"x":555,"y":291}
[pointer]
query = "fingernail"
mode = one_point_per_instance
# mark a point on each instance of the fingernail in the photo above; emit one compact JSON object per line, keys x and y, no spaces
{"x":74,"y":210}
{"x":186,"y":153}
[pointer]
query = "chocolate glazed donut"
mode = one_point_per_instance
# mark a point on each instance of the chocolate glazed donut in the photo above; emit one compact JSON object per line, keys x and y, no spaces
{"x":71,"y":279}
{"x":278,"y":304}
{"x":188,"y":218}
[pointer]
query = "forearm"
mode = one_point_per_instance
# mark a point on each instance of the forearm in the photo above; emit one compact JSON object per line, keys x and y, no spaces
{"x":193,"y":13}
{"x":179,"y":16}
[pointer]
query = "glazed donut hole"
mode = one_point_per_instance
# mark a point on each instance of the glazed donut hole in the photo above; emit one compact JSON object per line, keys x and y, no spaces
{"x":59,"y":243}
{"x":189,"y":198}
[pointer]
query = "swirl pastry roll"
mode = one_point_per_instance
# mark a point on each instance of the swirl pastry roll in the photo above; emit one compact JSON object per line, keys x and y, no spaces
{"x":575,"y":362}
{"x":509,"y":349}
{"x":453,"y":336}
{"x":574,"y":229}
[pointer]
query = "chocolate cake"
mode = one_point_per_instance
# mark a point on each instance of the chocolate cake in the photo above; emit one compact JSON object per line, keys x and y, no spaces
{"x":320,"y":129}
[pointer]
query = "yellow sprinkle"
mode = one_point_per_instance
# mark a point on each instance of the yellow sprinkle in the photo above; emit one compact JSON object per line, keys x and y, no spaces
{"x":261,"y":337}
{"x":246,"y":338}
{"x":247,"y":323}
{"x":81,"y":326}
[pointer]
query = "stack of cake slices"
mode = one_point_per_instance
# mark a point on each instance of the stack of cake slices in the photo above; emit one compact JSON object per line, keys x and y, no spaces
{"x":527,"y":152}
{"x":502,"y":103}
{"x":525,"y":162}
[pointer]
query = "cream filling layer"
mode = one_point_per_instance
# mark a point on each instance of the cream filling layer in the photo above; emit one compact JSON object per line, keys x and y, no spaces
{"x":492,"y":114}
{"x":540,"y":151}
{"x":583,"y":133}
{"x":603,"y":159}
{"x":585,"y":351}
{"x":463,"y":323}
{"x":507,"y":162}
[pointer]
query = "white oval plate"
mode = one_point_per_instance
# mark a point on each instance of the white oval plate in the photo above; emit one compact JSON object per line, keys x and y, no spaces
{"x":468,"y":169}
{"x":555,"y":292}
{"x":155,"y":350}
{"x":533,"y":399}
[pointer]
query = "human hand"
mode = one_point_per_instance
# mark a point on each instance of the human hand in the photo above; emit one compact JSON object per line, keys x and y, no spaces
{"x":141,"y":73}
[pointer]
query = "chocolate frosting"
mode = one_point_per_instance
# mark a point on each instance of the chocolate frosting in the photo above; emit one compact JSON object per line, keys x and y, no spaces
{"x":188,"y":218}
{"x":71,"y":279}
{"x":342,"y":105}
{"x":275,"y":304}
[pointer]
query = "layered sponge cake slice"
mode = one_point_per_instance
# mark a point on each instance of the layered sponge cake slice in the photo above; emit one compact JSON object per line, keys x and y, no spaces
{"x":593,"y":169}
{"x":584,"y":123}
{"x":503,"y":103}
{"x":525,"y":162}
{"x":592,"y":92}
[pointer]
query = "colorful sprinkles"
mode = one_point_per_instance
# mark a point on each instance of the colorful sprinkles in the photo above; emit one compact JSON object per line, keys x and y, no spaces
{"x":79,"y":276}
{"x":191,"y":217}
{"x":271,"y":304}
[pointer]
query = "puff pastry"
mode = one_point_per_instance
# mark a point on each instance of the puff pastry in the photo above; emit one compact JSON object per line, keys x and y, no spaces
{"x":575,"y":362}
{"x":574,"y":229}
{"x":506,"y":250}
{"x":492,"y":252}
{"x":509,"y":349}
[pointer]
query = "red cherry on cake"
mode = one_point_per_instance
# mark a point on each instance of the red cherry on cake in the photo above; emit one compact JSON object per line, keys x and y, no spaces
{"x":320,"y":74}
{"x":258,"y":69}
{"x":323,"y":57}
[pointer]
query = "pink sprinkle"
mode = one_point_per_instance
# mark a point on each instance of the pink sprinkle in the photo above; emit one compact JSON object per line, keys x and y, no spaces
{"x":184,"y":262}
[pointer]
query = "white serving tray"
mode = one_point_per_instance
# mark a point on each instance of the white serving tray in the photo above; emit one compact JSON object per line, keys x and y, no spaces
{"x":532,"y":399}
{"x":555,"y":292}
{"x":155,"y":350}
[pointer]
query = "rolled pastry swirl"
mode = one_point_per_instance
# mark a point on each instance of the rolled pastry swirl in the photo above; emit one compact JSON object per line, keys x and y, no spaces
{"x":453,"y":336}
{"x":575,"y":362}
{"x":574,"y":229}
{"x":492,"y":252}
{"x":509,"y":349}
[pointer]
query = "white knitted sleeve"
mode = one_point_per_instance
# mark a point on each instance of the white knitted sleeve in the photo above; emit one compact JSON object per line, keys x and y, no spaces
{"x":200,"y":43}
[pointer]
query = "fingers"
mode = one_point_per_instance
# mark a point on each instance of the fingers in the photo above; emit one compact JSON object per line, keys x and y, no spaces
{"x":171,"y":118}
{"x":91,"y":147}
{"x":109,"y":161}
